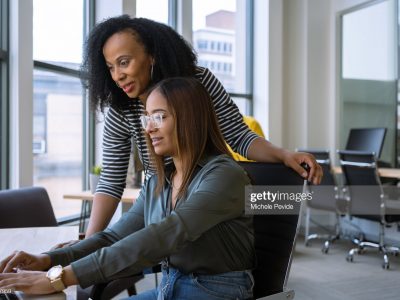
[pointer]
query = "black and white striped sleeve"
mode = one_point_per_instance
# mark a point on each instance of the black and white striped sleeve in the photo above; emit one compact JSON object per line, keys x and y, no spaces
{"x":236,"y":133}
{"x":116,"y":153}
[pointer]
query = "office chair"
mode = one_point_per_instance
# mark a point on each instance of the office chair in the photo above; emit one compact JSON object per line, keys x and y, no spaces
{"x":275,"y":235}
{"x":26,"y":207}
{"x":327,"y":197}
{"x":367,"y":200}
{"x":370,"y":140}
{"x":366,"y":139}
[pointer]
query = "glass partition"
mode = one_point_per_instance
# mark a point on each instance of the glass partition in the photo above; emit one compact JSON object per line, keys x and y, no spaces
{"x":368,"y":77}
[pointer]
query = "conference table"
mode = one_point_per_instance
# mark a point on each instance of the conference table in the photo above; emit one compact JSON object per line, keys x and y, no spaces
{"x":383,"y":172}
{"x":129,"y":196}
{"x":37,"y":240}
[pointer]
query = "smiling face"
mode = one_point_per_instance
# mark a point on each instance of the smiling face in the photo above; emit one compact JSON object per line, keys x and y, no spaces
{"x":161,"y":138}
{"x":128,"y":62}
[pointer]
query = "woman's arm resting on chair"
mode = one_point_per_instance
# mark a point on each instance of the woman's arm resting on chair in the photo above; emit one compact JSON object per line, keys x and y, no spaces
{"x":262,"y":150}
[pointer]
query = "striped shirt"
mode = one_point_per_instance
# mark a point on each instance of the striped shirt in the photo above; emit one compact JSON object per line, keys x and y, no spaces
{"x":123,"y":126}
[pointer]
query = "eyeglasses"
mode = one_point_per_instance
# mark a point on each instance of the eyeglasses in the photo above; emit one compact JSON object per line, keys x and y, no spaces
{"x":155,"y":119}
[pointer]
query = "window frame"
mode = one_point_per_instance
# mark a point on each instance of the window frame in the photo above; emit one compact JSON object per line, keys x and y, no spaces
{"x":4,"y":96}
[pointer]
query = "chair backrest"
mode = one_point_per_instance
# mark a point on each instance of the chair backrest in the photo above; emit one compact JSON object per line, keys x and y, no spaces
{"x":366,"y":139}
{"x":365,"y":190}
{"x":26,"y":207}
{"x":274,"y":234}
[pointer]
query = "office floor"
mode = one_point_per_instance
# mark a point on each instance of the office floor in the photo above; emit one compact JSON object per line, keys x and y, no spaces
{"x":316,"y":276}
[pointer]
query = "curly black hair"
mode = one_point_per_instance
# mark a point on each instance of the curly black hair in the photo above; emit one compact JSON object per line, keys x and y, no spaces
{"x":173,"y":57}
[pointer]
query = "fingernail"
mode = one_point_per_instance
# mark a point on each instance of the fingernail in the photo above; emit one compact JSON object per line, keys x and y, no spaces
{"x":304,"y":174}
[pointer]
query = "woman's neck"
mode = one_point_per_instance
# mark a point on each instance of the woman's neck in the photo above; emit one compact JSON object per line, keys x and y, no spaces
{"x":178,"y":166}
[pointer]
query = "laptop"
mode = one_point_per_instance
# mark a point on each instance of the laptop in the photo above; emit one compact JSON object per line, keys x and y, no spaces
{"x":23,"y":296}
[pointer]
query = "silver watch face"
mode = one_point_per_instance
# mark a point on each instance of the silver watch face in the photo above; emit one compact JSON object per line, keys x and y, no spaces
{"x":54,"y":272}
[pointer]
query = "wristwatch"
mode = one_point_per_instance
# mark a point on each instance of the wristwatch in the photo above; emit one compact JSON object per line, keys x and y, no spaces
{"x":54,"y":274}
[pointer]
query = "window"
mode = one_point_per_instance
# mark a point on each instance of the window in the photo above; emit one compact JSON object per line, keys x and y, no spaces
{"x":156,"y":10}
{"x":202,"y":44}
{"x":59,"y":102}
{"x":228,"y":52}
{"x":4,"y":94}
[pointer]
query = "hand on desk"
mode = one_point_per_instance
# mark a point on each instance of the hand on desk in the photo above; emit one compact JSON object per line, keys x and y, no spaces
{"x":25,"y":261}
{"x":14,"y":277}
{"x":29,"y":282}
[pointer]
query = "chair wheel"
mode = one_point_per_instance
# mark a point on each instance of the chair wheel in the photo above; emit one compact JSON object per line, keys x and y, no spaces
{"x":307,"y":243}
{"x":385,"y":266}
{"x":325,"y":250}
{"x":350,"y":258}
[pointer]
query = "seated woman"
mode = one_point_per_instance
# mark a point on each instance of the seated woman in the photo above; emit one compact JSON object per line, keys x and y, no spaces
{"x":190,"y":216}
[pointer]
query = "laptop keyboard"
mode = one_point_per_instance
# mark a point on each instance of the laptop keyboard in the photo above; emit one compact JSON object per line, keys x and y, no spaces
{"x":8,"y":296}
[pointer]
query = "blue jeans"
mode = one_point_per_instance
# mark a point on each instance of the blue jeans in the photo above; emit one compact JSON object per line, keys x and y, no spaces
{"x":178,"y":286}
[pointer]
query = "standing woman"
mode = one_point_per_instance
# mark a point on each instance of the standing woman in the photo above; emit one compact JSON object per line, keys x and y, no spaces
{"x":125,"y":57}
{"x":189,"y":215}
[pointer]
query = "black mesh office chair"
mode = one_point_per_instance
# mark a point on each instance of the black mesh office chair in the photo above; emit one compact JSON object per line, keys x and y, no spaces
{"x":367,"y":199}
{"x":274,"y":234}
{"x":26,"y":207}
{"x":327,"y":197}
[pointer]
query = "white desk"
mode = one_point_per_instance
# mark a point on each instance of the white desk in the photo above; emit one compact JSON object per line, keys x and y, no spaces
{"x":37,"y":240}
{"x":129,"y":195}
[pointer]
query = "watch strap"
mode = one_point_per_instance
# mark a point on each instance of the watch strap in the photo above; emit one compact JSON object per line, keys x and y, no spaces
{"x":58,"y":284}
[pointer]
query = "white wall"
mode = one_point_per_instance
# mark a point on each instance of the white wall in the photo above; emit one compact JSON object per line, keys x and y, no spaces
{"x":301,"y":106}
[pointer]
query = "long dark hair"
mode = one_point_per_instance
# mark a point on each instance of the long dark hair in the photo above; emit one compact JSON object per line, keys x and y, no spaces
{"x":196,"y":131}
{"x":173,"y":57}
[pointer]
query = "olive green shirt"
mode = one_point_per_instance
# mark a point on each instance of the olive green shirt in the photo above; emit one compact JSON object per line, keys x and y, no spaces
{"x":207,"y":232}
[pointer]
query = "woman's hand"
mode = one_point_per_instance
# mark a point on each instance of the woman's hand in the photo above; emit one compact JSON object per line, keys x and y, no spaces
{"x":262,"y":150}
{"x":29,"y":282}
{"x":294,"y":161}
{"x":65,"y":244}
{"x":25,"y":261}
